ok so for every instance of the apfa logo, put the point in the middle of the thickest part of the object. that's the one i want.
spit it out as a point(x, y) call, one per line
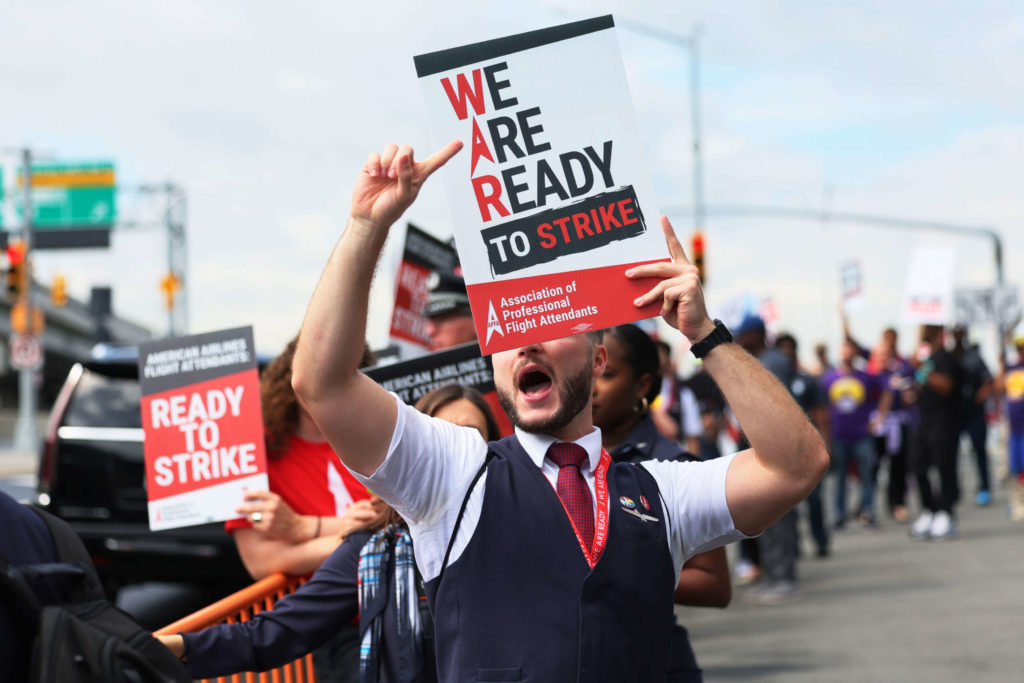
point(493, 324)
point(582, 327)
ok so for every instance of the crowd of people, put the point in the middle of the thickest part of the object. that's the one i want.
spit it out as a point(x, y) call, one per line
point(559, 552)
point(886, 418)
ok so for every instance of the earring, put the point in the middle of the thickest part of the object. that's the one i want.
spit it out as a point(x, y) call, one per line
point(641, 406)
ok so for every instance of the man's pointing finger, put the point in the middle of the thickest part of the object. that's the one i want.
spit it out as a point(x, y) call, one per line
point(440, 157)
point(675, 248)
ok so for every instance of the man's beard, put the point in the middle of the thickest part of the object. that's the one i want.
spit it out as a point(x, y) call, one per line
point(572, 398)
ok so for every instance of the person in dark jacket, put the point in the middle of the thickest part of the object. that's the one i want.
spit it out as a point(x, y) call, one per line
point(25, 540)
point(330, 600)
point(622, 397)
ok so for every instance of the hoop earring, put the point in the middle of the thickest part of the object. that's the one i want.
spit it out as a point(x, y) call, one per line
point(641, 406)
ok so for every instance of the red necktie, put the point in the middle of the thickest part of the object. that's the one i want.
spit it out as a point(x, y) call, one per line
point(572, 489)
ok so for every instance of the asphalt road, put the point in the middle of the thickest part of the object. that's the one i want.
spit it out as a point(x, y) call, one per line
point(884, 608)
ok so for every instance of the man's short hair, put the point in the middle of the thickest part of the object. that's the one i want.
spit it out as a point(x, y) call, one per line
point(786, 338)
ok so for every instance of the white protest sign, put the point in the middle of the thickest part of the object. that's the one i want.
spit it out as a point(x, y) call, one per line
point(988, 305)
point(928, 293)
point(550, 198)
point(851, 284)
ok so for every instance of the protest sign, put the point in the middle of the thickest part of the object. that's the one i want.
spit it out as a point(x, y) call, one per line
point(412, 379)
point(851, 284)
point(203, 424)
point(423, 254)
point(550, 200)
point(998, 305)
point(928, 294)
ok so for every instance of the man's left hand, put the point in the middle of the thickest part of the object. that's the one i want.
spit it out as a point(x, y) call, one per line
point(682, 297)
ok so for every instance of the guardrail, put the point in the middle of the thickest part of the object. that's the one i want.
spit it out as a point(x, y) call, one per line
point(241, 607)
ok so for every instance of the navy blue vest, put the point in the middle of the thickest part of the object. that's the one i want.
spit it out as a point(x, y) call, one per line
point(521, 602)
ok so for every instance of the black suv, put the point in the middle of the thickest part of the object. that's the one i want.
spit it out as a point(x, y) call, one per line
point(92, 474)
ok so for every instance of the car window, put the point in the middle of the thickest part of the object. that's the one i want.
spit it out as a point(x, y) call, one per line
point(100, 401)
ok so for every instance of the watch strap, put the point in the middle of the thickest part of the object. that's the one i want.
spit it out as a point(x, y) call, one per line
point(719, 335)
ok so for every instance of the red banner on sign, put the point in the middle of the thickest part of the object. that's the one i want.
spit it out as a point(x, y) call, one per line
point(201, 434)
point(534, 309)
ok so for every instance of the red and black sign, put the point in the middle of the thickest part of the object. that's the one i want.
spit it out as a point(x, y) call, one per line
point(413, 379)
point(203, 425)
point(422, 255)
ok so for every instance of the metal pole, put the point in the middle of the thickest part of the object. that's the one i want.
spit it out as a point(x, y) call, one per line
point(174, 219)
point(898, 223)
point(183, 260)
point(695, 119)
point(26, 437)
point(172, 328)
point(689, 42)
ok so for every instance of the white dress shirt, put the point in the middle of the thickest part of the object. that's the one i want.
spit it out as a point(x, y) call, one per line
point(430, 464)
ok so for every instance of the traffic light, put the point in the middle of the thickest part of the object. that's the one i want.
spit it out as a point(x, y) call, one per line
point(697, 253)
point(17, 274)
point(169, 285)
point(59, 291)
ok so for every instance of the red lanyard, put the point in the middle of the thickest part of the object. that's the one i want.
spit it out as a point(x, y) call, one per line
point(601, 527)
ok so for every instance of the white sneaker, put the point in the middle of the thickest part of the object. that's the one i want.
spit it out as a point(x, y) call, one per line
point(943, 527)
point(921, 528)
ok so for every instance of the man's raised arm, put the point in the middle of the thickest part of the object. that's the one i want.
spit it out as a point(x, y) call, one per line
point(357, 416)
point(787, 457)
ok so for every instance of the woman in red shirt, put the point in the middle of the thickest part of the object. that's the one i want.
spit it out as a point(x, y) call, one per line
point(313, 500)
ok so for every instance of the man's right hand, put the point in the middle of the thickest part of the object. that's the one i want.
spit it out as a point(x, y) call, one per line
point(390, 181)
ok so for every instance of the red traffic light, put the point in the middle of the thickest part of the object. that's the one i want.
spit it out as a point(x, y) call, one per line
point(16, 252)
point(698, 243)
point(697, 253)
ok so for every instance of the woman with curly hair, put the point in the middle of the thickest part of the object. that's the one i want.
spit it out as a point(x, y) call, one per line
point(313, 504)
point(313, 500)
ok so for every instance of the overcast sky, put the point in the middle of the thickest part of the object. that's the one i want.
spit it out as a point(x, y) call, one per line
point(264, 112)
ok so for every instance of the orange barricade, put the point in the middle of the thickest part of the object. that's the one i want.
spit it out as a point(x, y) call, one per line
point(240, 607)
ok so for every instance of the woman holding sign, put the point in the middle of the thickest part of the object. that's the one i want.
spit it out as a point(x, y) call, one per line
point(622, 397)
point(313, 499)
point(313, 503)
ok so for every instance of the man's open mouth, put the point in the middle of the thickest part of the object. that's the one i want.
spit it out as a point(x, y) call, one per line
point(533, 381)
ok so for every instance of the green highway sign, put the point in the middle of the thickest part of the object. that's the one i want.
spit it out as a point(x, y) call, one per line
point(72, 195)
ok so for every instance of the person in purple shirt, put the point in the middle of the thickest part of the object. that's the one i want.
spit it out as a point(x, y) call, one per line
point(892, 436)
point(1011, 381)
point(892, 433)
point(852, 397)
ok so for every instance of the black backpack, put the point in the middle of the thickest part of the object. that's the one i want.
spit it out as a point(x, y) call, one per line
point(86, 639)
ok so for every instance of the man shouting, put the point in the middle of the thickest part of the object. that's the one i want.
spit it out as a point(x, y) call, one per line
point(544, 561)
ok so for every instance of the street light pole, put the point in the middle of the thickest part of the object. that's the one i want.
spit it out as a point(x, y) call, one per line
point(25, 432)
point(691, 43)
point(826, 214)
point(176, 254)
point(984, 232)
point(695, 118)
point(175, 282)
